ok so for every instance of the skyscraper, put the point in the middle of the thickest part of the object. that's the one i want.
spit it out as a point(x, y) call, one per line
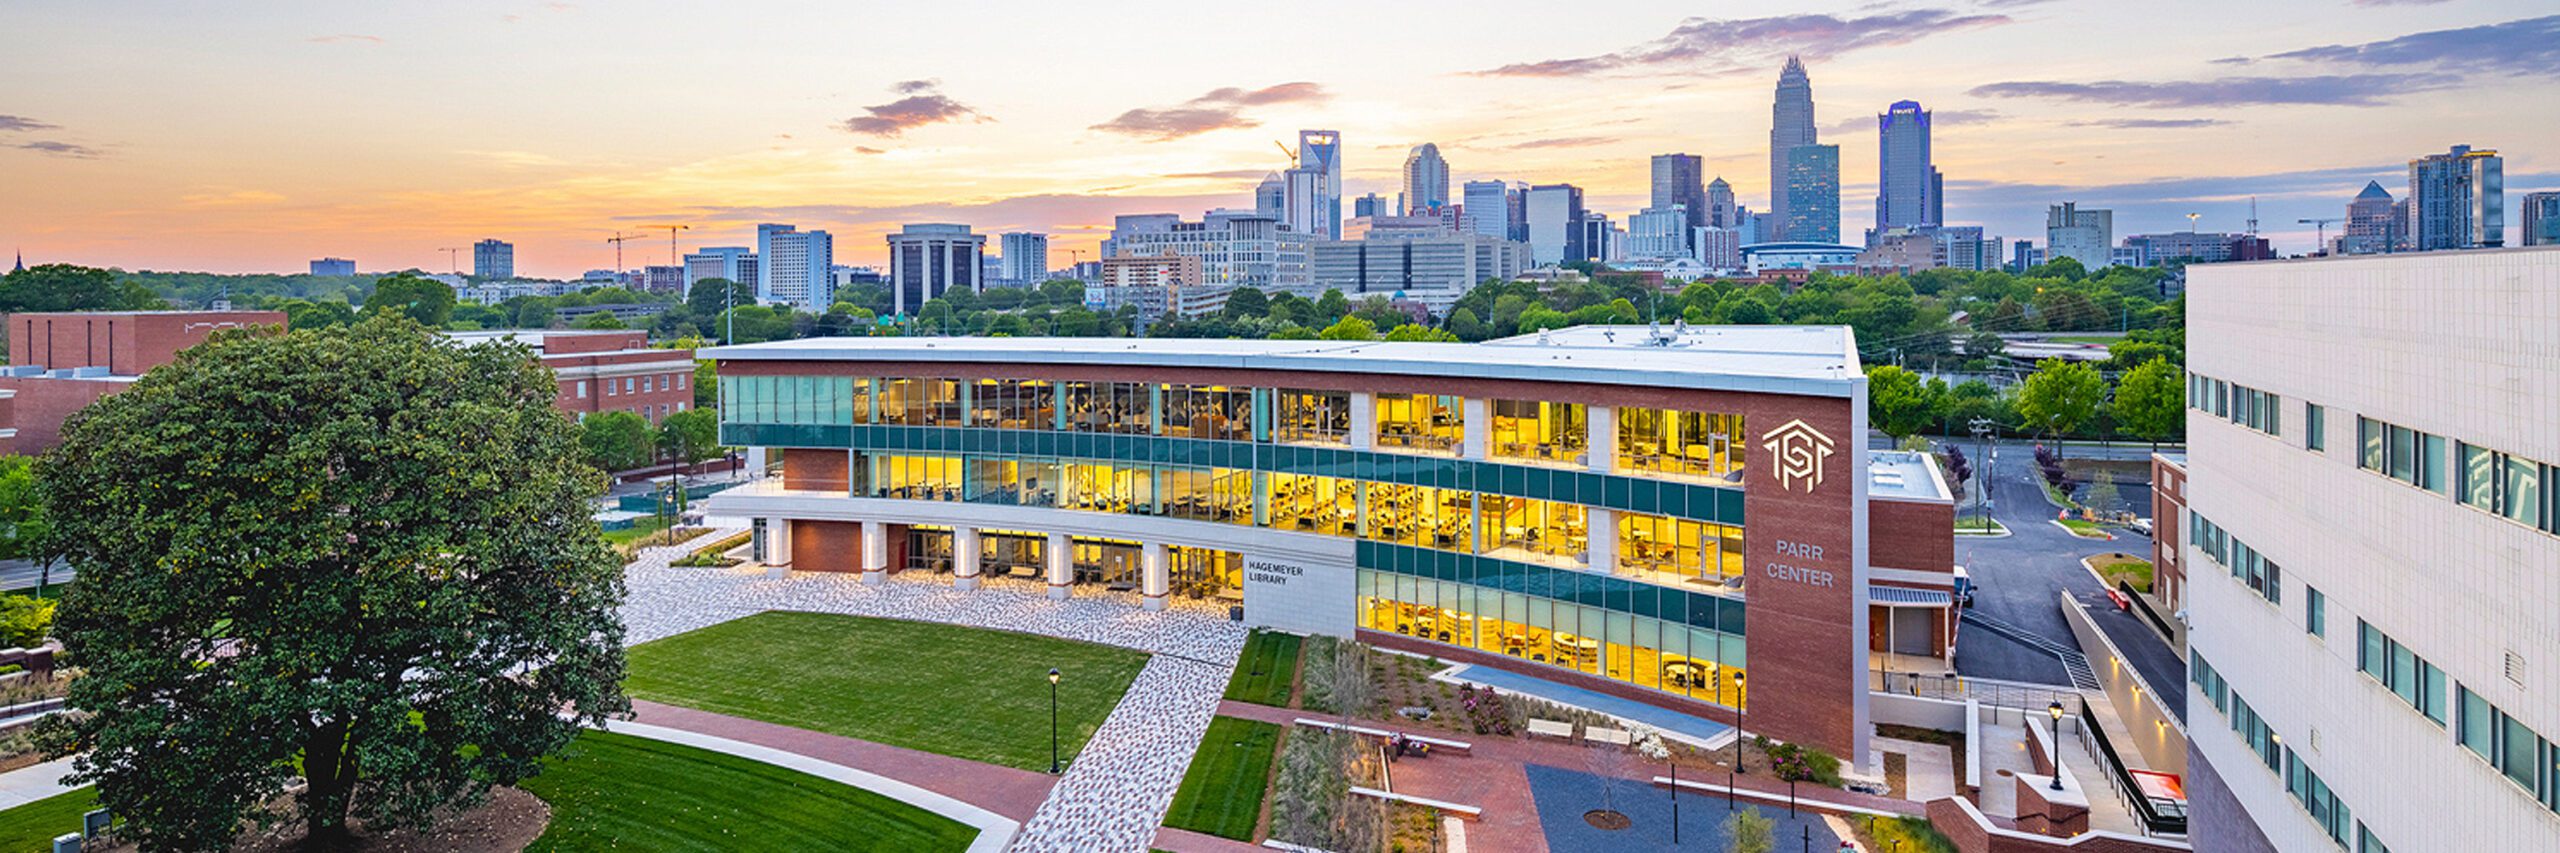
point(2081, 235)
point(1372, 205)
point(2457, 200)
point(1812, 194)
point(1314, 188)
point(1488, 212)
point(2541, 219)
point(2373, 223)
point(1721, 211)
point(1906, 176)
point(1678, 181)
point(493, 259)
point(1426, 179)
point(928, 260)
point(1026, 257)
point(765, 232)
point(1661, 233)
point(734, 263)
point(1790, 125)
point(1555, 227)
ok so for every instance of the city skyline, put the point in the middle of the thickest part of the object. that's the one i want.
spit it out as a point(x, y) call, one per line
point(422, 131)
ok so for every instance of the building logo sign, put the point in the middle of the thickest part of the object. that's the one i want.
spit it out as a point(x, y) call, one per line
point(1800, 451)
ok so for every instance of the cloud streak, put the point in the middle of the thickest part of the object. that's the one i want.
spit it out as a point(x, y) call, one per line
point(1220, 109)
point(1561, 142)
point(343, 38)
point(18, 124)
point(2529, 47)
point(2150, 123)
point(2361, 90)
point(1854, 124)
point(61, 149)
point(924, 104)
point(1741, 45)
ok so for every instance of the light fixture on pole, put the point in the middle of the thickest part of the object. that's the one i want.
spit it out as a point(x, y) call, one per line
point(1053, 720)
point(2056, 709)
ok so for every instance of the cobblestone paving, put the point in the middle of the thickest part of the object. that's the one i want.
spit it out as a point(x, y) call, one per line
point(1115, 795)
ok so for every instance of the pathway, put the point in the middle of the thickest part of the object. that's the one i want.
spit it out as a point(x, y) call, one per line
point(994, 831)
point(35, 782)
point(1114, 797)
point(1011, 792)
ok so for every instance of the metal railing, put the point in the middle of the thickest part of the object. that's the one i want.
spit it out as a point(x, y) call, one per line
point(1996, 693)
point(2155, 819)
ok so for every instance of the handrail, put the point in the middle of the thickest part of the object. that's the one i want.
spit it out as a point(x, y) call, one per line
point(2094, 739)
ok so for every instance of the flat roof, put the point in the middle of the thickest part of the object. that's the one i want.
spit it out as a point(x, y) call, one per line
point(1905, 475)
point(1805, 360)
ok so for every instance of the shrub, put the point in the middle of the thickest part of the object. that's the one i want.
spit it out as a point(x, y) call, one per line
point(24, 620)
point(1799, 763)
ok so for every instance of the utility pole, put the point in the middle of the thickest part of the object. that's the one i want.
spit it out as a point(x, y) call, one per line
point(1981, 428)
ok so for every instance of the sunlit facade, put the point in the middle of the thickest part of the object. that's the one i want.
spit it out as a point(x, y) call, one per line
point(1575, 507)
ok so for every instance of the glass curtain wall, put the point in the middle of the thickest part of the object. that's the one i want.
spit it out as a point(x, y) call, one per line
point(1652, 653)
point(1537, 431)
point(1534, 530)
point(1208, 411)
point(1014, 404)
point(1124, 408)
point(1434, 423)
point(1307, 503)
point(1313, 417)
point(1669, 550)
point(1699, 445)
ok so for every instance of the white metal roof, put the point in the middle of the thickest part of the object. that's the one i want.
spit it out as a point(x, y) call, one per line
point(1809, 360)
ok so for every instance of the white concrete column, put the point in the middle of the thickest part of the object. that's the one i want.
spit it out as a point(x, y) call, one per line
point(854, 472)
point(1062, 565)
point(1155, 575)
point(755, 461)
point(964, 557)
point(777, 547)
point(875, 553)
point(1603, 441)
point(1600, 530)
point(1477, 414)
point(1364, 420)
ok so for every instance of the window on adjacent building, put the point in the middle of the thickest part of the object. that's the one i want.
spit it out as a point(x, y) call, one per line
point(2315, 425)
point(582, 389)
point(2315, 611)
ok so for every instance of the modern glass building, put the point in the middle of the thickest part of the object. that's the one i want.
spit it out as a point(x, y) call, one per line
point(1680, 516)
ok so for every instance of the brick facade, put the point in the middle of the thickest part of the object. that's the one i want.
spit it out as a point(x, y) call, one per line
point(2168, 530)
point(826, 546)
point(126, 343)
point(616, 371)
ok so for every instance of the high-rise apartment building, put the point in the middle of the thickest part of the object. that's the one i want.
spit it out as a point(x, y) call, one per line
point(1679, 180)
point(2369, 467)
point(735, 263)
point(493, 259)
point(1236, 248)
point(333, 266)
point(1426, 179)
point(796, 267)
point(2541, 219)
point(1555, 224)
point(1791, 125)
point(1488, 211)
point(2086, 236)
point(1373, 205)
point(1907, 179)
point(1026, 257)
point(1661, 233)
point(1271, 197)
point(2457, 200)
point(930, 259)
point(1813, 195)
point(2373, 223)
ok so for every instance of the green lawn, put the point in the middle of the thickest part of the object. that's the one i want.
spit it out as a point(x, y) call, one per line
point(651, 526)
point(1266, 669)
point(964, 692)
point(613, 791)
point(1979, 524)
point(1907, 834)
point(2085, 529)
point(2130, 569)
point(1222, 793)
point(33, 826)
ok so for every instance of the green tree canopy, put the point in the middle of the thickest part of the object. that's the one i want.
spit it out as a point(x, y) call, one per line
point(425, 300)
point(691, 435)
point(2061, 396)
point(64, 287)
point(1419, 332)
point(1898, 402)
point(708, 299)
point(597, 320)
point(1349, 328)
point(22, 519)
point(617, 441)
point(359, 555)
point(2151, 400)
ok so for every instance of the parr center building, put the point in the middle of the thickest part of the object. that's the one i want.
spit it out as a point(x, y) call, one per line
point(1687, 517)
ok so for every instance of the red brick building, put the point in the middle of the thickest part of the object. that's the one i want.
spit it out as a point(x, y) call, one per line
point(59, 363)
point(608, 371)
point(2168, 531)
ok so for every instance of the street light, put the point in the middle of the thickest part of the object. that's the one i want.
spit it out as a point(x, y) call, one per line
point(1053, 721)
point(1741, 714)
point(2056, 710)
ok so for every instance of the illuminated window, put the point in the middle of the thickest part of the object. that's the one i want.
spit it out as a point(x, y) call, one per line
point(1313, 417)
point(1429, 422)
point(1538, 431)
point(1671, 441)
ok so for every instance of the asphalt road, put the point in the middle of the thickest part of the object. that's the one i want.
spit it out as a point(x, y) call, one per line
point(2018, 579)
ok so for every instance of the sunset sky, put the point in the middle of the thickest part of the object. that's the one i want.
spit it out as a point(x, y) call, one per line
point(254, 137)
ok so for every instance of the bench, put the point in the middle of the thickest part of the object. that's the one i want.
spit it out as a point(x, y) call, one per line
point(1445, 744)
point(1551, 728)
point(1611, 737)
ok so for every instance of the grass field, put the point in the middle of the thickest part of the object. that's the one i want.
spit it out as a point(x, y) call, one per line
point(1222, 793)
point(964, 692)
point(1979, 524)
point(2085, 529)
point(1907, 834)
point(1266, 669)
point(621, 792)
point(33, 826)
point(2132, 570)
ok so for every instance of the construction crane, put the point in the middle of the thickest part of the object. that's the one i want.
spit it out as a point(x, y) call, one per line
point(1285, 149)
point(453, 259)
point(617, 240)
point(673, 257)
point(2321, 226)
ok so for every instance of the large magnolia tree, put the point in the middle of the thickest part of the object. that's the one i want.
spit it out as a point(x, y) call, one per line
point(359, 556)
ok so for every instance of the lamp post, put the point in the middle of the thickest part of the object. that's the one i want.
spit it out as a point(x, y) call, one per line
point(1053, 721)
point(1741, 714)
point(2055, 708)
point(1675, 800)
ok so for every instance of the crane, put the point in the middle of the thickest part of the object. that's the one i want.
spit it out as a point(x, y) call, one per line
point(2321, 226)
point(1285, 149)
point(617, 240)
point(672, 256)
point(453, 259)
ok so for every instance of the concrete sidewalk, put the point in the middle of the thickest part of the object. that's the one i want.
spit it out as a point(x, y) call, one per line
point(29, 784)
